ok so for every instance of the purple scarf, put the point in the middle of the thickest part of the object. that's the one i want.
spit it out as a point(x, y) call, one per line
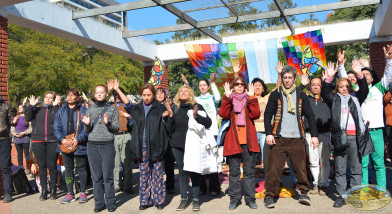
point(239, 102)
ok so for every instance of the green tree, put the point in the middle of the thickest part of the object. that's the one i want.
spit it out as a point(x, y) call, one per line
point(175, 69)
point(40, 62)
point(311, 20)
point(286, 4)
point(354, 13)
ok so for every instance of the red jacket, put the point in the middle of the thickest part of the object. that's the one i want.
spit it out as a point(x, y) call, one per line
point(252, 112)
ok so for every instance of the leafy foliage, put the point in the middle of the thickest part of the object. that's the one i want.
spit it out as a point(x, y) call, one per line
point(40, 62)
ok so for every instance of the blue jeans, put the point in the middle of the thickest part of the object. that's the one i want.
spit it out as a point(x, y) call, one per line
point(101, 160)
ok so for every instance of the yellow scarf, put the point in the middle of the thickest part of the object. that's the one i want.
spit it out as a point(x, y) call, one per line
point(288, 92)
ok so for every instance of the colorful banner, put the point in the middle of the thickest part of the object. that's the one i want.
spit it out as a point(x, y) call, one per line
point(159, 75)
point(217, 58)
point(257, 59)
point(305, 52)
point(262, 58)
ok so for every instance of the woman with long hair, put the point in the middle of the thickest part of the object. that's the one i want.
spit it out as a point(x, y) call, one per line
point(148, 146)
point(44, 143)
point(177, 125)
point(21, 135)
point(68, 122)
point(240, 145)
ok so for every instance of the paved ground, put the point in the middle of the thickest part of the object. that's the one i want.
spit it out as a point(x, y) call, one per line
point(129, 204)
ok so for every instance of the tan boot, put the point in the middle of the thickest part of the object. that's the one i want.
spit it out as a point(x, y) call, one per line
point(315, 190)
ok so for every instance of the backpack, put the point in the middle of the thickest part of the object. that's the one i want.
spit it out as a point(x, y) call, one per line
point(20, 182)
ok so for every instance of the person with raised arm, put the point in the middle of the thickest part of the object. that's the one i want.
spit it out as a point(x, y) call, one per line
point(348, 133)
point(101, 123)
point(240, 106)
point(44, 143)
point(286, 136)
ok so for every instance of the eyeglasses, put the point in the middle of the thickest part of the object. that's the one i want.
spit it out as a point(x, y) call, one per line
point(239, 83)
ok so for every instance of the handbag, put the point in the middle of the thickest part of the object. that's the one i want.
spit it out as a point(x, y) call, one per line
point(341, 142)
point(71, 149)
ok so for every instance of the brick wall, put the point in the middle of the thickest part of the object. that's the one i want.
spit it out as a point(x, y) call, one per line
point(377, 57)
point(3, 67)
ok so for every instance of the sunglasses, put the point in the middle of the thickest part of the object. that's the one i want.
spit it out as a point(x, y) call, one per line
point(238, 84)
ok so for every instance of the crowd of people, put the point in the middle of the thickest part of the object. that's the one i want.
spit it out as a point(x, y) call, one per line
point(341, 113)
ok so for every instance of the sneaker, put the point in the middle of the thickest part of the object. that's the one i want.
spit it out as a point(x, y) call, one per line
point(82, 198)
point(315, 190)
point(68, 198)
point(269, 201)
point(195, 204)
point(304, 199)
point(183, 204)
point(7, 198)
point(323, 191)
point(234, 204)
point(339, 202)
point(252, 205)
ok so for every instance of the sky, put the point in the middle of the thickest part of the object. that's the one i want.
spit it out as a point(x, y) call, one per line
point(159, 17)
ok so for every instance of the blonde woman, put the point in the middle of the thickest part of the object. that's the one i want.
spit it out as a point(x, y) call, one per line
point(177, 125)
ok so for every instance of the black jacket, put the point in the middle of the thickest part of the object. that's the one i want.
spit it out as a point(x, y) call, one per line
point(334, 101)
point(272, 108)
point(42, 120)
point(178, 125)
point(7, 115)
point(156, 137)
point(322, 114)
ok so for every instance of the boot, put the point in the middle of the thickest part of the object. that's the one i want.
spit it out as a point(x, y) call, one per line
point(44, 195)
point(53, 193)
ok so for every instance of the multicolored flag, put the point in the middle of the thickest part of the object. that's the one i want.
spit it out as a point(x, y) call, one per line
point(305, 52)
point(217, 58)
point(257, 59)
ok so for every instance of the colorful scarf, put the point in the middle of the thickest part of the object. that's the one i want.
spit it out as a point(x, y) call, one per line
point(239, 102)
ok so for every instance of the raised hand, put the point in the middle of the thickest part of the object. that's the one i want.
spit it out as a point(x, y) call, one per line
point(364, 62)
point(24, 101)
point(228, 91)
point(33, 100)
point(56, 101)
point(195, 111)
point(324, 75)
point(184, 79)
point(236, 66)
point(212, 78)
point(305, 79)
point(15, 120)
point(251, 91)
point(279, 67)
point(84, 97)
point(356, 66)
point(330, 70)
point(116, 84)
point(86, 119)
point(110, 85)
point(340, 57)
point(168, 111)
point(388, 52)
point(106, 118)
point(125, 114)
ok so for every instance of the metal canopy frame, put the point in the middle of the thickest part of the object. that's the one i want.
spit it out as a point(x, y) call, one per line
point(202, 26)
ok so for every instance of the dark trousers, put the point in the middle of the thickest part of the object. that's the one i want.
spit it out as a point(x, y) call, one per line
point(195, 177)
point(169, 169)
point(341, 157)
point(5, 162)
point(20, 149)
point(81, 164)
point(46, 155)
point(389, 133)
point(101, 160)
point(213, 184)
point(235, 175)
point(294, 148)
